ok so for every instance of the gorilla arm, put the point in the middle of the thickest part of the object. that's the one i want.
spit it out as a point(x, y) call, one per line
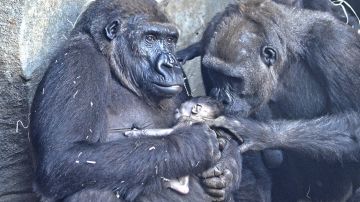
point(224, 178)
point(221, 180)
point(330, 138)
point(68, 118)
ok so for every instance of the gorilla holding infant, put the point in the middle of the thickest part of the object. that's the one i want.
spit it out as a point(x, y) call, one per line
point(118, 72)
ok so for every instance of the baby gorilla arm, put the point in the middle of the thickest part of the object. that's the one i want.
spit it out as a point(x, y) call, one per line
point(149, 132)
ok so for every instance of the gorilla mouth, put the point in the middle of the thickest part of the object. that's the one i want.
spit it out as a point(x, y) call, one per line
point(168, 89)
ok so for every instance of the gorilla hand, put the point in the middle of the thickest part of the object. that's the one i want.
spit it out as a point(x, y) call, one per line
point(200, 138)
point(189, 53)
point(254, 135)
point(224, 178)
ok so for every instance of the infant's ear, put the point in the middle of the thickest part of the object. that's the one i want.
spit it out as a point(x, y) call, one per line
point(196, 109)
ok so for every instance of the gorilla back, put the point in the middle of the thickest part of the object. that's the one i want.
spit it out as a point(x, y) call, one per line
point(116, 72)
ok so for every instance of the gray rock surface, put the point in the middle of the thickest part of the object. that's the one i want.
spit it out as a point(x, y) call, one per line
point(30, 32)
point(15, 164)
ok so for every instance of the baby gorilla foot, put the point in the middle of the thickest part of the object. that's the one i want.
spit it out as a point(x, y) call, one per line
point(180, 185)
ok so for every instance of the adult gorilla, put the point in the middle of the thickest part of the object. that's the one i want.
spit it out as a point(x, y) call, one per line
point(302, 68)
point(117, 72)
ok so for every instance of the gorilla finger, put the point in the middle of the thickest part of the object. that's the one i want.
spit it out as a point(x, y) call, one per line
point(212, 172)
point(218, 122)
point(227, 176)
point(218, 199)
point(222, 143)
point(219, 193)
point(245, 147)
point(132, 133)
point(217, 155)
point(216, 152)
point(215, 183)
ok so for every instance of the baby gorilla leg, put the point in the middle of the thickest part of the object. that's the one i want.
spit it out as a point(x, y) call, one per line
point(149, 132)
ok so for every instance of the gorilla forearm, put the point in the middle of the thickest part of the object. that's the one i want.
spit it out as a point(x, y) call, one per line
point(126, 160)
point(330, 137)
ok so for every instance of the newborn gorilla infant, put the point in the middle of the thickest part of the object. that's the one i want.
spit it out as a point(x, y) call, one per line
point(196, 110)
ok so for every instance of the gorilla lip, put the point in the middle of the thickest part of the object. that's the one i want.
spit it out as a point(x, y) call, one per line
point(169, 89)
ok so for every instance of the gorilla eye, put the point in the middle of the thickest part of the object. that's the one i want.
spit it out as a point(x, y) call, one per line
point(150, 38)
point(171, 40)
point(268, 55)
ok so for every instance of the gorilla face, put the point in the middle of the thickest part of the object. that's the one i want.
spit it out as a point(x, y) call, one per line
point(146, 57)
point(241, 63)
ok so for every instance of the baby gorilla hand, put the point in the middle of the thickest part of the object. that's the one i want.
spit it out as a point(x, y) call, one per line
point(221, 180)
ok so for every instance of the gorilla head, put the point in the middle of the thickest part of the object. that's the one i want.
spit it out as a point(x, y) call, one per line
point(247, 49)
point(241, 65)
point(140, 42)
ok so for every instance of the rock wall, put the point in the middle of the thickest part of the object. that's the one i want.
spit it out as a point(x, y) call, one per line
point(30, 33)
point(15, 164)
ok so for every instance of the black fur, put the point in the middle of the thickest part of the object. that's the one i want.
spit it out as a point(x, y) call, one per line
point(327, 6)
point(256, 180)
point(312, 92)
point(101, 83)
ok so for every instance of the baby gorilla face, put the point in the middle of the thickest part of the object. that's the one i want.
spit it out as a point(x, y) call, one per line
point(199, 109)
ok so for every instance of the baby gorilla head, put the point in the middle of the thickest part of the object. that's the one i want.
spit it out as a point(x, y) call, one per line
point(199, 109)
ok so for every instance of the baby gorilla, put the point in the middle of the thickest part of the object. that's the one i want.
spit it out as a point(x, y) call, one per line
point(196, 110)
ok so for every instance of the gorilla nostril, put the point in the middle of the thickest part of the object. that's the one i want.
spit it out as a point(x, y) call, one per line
point(167, 65)
point(214, 92)
point(171, 60)
point(163, 64)
point(221, 96)
point(225, 98)
point(225, 101)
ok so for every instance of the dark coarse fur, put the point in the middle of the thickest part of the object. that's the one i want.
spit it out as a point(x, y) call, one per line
point(102, 82)
point(256, 181)
point(312, 91)
point(355, 197)
point(326, 6)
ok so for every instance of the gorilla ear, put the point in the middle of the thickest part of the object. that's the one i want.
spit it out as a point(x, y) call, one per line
point(196, 109)
point(112, 29)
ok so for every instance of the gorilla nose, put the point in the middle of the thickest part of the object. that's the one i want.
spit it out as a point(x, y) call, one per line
point(221, 95)
point(165, 63)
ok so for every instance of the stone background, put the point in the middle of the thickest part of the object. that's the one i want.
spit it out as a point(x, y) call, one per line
point(30, 33)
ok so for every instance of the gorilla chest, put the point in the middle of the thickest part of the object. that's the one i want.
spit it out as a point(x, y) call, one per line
point(129, 114)
point(299, 95)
